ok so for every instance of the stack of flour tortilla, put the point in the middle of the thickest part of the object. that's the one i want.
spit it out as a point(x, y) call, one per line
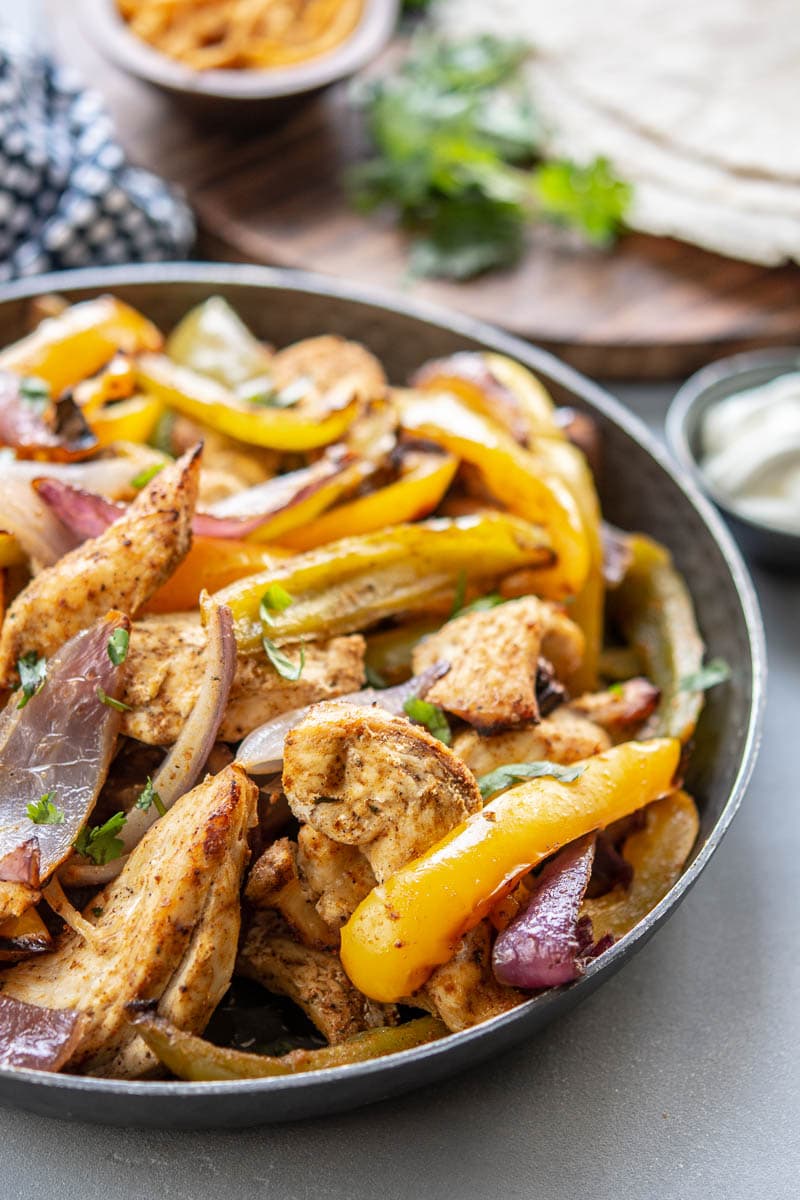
point(696, 105)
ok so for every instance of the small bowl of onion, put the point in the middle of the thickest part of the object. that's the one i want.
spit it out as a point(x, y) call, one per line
point(236, 57)
point(735, 428)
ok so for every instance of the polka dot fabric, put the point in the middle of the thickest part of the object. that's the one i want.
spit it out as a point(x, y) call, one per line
point(68, 196)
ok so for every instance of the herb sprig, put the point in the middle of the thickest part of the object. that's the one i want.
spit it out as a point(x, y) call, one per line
point(44, 812)
point(423, 712)
point(507, 776)
point(100, 843)
point(32, 670)
point(455, 138)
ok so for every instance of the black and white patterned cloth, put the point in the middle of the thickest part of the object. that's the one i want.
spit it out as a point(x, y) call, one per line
point(68, 196)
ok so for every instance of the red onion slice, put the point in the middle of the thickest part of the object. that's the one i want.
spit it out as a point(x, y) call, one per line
point(261, 752)
point(36, 527)
point(541, 947)
point(86, 514)
point(34, 1038)
point(60, 742)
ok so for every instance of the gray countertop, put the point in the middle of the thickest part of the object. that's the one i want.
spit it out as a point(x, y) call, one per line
point(678, 1079)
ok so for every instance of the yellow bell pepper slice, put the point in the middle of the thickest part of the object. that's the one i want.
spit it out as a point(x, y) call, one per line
point(203, 399)
point(409, 925)
point(657, 854)
point(302, 513)
point(130, 420)
point(211, 564)
point(587, 609)
point(115, 382)
point(519, 480)
point(11, 553)
point(65, 349)
point(496, 386)
point(424, 479)
point(351, 584)
point(654, 610)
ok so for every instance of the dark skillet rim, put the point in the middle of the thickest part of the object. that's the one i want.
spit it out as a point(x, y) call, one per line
point(106, 279)
point(110, 33)
point(691, 394)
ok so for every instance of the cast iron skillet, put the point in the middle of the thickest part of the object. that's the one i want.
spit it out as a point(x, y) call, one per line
point(640, 490)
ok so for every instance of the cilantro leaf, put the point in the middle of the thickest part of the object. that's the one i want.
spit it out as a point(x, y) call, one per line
point(32, 674)
point(480, 604)
point(507, 776)
point(275, 599)
point(100, 842)
point(714, 672)
point(588, 197)
point(149, 796)
point(44, 812)
point(34, 391)
point(283, 665)
point(429, 715)
point(118, 646)
point(454, 138)
point(143, 477)
point(104, 698)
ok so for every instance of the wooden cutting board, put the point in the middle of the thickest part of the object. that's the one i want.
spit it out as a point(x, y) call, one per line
point(271, 192)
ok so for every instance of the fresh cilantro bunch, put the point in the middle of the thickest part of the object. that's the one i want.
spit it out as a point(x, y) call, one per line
point(455, 136)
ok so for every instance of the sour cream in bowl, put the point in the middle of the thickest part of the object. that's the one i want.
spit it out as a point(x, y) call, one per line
point(735, 426)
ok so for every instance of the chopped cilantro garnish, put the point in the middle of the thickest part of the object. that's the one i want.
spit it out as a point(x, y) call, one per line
point(429, 715)
point(283, 665)
point(149, 796)
point(32, 674)
point(100, 842)
point(34, 390)
point(275, 599)
point(143, 477)
point(505, 777)
point(118, 646)
point(714, 672)
point(44, 812)
point(119, 705)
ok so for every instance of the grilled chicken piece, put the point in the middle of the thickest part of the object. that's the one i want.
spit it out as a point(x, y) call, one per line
point(463, 991)
point(563, 737)
point(314, 979)
point(493, 658)
point(275, 883)
point(329, 362)
point(622, 710)
point(165, 930)
point(121, 569)
point(368, 779)
point(165, 670)
point(338, 876)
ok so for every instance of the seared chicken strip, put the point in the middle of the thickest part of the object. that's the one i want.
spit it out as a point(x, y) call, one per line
point(371, 780)
point(121, 568)
point(338, 876)
point(463, 991)
point(563, 737)
point(165, 930)
point(166, 664)
point(314, 979)
point(622, 710)
point(329, 362)
point(493, 658)
point(275, 883)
